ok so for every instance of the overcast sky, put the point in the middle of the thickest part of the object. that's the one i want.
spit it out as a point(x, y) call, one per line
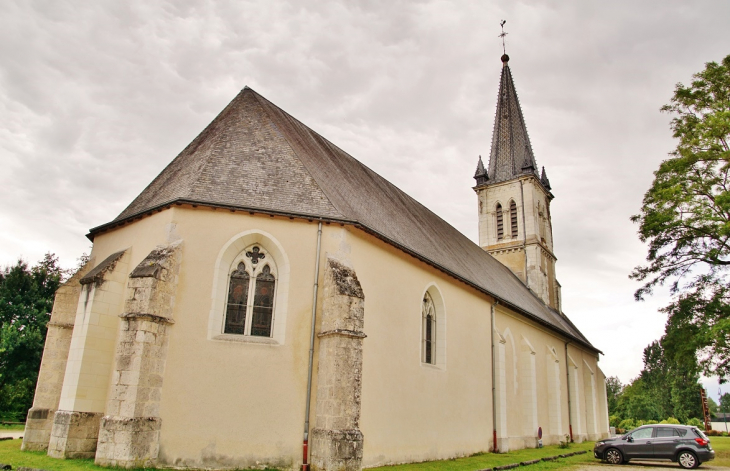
point(97, 97)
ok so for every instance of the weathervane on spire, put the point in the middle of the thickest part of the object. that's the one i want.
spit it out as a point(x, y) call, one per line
point(504, 50)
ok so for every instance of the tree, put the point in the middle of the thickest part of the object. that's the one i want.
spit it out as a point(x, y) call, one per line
point(613, 391)
point(685, 217)
point(26, 300)
point(724, 403)
point(712, 406)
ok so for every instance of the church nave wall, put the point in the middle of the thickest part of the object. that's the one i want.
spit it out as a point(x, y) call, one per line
point(413, 411)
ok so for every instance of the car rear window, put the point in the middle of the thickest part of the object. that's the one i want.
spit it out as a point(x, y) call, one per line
point(680, 432)
point(699, 433)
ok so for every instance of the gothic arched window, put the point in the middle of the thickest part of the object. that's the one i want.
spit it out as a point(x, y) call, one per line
point(428, 313)
point(500, 223)
point(513, 218)
point(245, 314)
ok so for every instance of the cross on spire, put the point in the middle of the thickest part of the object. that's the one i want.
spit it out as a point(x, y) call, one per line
point(504, 50)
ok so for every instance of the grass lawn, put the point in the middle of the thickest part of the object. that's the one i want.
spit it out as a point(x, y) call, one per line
point(10, 454)
point(489, 460)
point(721, 445)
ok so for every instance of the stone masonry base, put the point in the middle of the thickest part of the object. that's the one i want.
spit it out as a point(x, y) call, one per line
point(74, 434)
point(38, 427)
point(127, 442)
point(337, 450)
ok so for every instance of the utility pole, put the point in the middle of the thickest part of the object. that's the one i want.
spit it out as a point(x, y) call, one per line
point(724, 413)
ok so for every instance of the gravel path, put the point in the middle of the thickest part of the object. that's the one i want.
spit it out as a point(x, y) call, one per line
point(645, 466)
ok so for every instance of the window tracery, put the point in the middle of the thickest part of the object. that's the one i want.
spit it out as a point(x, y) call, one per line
point(245, 314)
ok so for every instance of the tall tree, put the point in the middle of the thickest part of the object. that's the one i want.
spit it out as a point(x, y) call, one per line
point(613, 391)
point(26, 300)
point(685, 217)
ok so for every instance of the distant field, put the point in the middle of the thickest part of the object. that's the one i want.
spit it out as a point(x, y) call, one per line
point(11, 428)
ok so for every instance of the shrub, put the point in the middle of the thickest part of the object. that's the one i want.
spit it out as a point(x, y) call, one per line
point(713, 433)
point(670, 420)
point(694, 421)
point(627, 424)
point(614, 420)
point(565, 443)
point(650, 422)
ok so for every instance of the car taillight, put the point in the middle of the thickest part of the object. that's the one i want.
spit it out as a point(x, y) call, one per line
point(702, 441)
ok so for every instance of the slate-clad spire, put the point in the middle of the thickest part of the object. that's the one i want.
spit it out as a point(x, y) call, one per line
point(544, 180)
point(481, 175)
point(511, 153)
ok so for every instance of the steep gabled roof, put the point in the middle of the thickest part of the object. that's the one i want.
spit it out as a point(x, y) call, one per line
point(256, 156)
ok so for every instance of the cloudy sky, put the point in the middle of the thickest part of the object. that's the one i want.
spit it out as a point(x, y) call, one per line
point(97, 97)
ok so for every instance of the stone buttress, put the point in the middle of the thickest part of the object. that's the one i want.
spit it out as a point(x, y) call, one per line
point(53, 365)
point(336, 439)
point(130, 432)
point(86, 379)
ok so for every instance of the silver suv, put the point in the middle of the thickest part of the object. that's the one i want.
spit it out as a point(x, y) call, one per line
point(683, 444)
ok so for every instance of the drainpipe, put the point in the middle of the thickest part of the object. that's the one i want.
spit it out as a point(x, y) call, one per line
point(524, 232)
point(567, 375)
point(494, 389)
point(305, 447)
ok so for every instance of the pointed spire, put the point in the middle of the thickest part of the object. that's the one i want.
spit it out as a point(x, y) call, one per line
point(511, 153)
point(481, 175)
point(544, 180)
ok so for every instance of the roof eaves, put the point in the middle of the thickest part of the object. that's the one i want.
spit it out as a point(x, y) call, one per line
point(99, 229)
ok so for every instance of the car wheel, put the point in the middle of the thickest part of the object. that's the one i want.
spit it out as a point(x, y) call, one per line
point(613, 456)
point(688, 460)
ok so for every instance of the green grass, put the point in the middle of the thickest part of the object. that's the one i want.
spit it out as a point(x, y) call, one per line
point(489, 460)
point(10, 454)
point(721, 445)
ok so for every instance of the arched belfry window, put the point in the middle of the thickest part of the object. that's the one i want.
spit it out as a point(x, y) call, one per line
point(500, 222)
point(513, 218)
point(251, 289)
point(428, 312)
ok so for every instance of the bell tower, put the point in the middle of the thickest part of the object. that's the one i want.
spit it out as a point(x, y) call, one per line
point(514, 200)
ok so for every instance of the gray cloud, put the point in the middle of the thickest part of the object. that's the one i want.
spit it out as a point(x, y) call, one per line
point(97, 97)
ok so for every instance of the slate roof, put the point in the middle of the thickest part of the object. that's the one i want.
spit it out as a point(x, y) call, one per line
point(255, 156)
point(511, 154)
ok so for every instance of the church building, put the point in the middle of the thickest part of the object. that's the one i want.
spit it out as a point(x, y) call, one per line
point(268, 300)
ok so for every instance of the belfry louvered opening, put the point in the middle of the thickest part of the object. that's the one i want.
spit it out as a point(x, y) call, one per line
point(500, 222)
point(513, 218)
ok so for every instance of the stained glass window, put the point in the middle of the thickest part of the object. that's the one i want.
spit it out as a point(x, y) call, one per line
point(263, 303)
point(237, 301)
point(251, 315)
point(429, 330)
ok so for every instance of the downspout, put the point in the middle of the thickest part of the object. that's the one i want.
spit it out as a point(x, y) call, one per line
point(305, 448)
point(494, 389)
point(524, 232)
point(567, 375)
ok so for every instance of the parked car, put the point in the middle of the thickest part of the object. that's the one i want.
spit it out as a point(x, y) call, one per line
point(684, 444)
